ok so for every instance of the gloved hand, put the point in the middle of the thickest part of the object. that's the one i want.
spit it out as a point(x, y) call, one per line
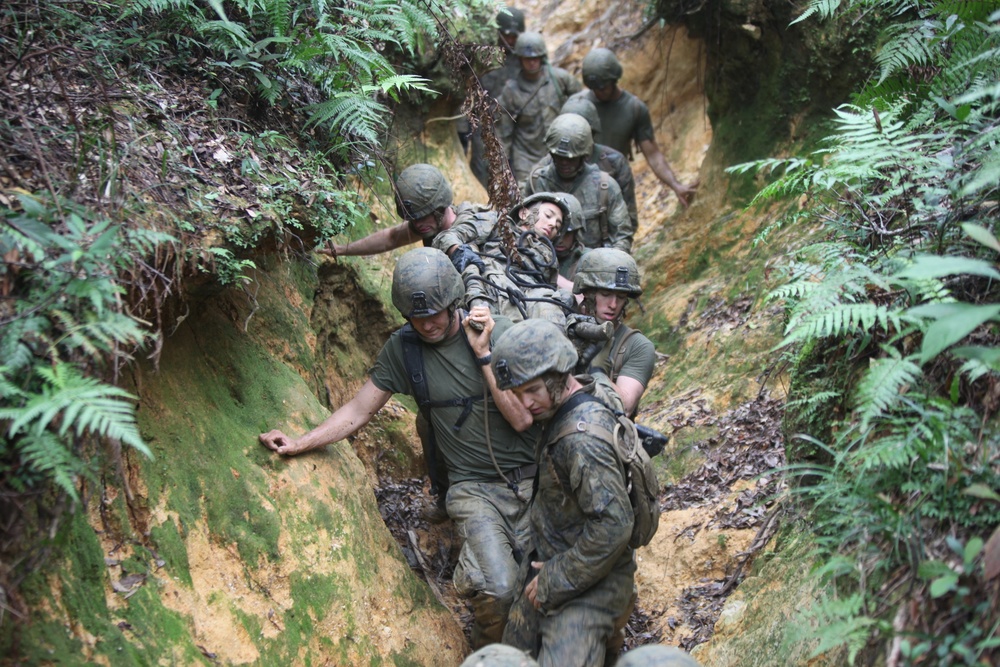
point(464, 256)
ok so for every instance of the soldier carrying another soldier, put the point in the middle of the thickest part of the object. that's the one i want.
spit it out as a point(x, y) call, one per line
point(478, 428)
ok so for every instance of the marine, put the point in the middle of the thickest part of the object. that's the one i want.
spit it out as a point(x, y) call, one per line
point(607, 159)
point(606, 220)
point(625, 118)
point(606, 279)
point(424, 202)
point(481, 432)
point(521, 288)
point(577, 578)
point(529, 102)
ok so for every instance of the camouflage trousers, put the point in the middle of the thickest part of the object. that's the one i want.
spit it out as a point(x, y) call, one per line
point(582, 631)
point(493, 526)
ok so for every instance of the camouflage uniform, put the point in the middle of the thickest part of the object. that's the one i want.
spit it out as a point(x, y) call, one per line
point(492, 285)
point(581, 522)
point(623, 121)
point(528, 108)
point(614, 164)
point(490, 518)
point(606, 218)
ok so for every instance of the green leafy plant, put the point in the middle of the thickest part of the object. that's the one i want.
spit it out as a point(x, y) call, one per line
point(904, 289)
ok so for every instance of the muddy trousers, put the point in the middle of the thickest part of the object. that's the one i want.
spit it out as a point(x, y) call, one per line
point(578, 633)
point(493, 526)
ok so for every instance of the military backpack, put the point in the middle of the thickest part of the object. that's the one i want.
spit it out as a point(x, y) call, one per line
point(640, 476)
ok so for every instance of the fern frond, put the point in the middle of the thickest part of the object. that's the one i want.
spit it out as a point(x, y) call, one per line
point(84, 404)
point(879, 388)
point(48, 457)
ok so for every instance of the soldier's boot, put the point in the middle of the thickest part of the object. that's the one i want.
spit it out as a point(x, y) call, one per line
point(613, 647)
point(490, 614)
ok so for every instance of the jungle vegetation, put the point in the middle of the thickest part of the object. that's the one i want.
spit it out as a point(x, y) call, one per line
point(892, 337)
point(892, 318)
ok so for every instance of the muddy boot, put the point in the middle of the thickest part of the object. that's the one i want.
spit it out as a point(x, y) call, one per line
point(490, 617)
point(613, 647)
point(435, 512)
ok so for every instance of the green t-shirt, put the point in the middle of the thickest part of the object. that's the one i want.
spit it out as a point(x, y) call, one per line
point(639, 356)
point(623, 121)
point(452, 372)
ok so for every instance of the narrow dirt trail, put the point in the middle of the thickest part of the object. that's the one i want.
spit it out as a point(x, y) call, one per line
point(717, 513)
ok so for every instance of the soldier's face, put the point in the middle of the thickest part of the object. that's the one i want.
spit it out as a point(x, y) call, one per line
point(531, 66)
point(609, 305)
point(509, 38)
point(565, 242)
point(605, 93)
point(567, 167)
point(435, 328)
point(535, 398)
point(548, 220)
point(427, 226)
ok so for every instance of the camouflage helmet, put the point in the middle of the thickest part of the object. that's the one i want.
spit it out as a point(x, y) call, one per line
point(607, 269)
point(499, 655)
point(510, 21)
point(581, 106)
point(528, 350)
point(573, 221)
point(600, 67)
point(530, 45)
point(557, 198)
point(425, 282)
point(570, 135)
point(657, 655)
point(421, 189)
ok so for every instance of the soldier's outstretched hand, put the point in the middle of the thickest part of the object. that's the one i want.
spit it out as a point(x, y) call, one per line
point(277, 441)
point(685, 193)
point(531, 590)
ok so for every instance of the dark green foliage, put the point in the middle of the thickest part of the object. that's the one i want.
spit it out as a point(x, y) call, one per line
point(895, 413)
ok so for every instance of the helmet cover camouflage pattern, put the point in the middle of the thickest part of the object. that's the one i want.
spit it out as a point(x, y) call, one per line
point(425, 282)
point(499, 655)
point(530, 349)
point(581, 106)
point(557, 198)
point(570, 135)
point(530, 45)
point(574, 220)
point(510, 21)
point(600, 67)
point(607, 269)
point(657, 655)
point(421, 189)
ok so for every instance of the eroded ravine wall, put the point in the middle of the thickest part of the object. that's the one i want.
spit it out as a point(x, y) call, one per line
point(220, 551)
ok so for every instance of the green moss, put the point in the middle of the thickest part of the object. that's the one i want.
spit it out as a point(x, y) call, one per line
point(83, 591)
point(170, 547)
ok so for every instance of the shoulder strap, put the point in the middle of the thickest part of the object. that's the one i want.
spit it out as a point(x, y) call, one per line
point(413, 361)
point(602, 211)
point(617, 354)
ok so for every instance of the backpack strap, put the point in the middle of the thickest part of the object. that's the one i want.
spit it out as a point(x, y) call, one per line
point(413, 361)
point(602, 211)
point(617, 353)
